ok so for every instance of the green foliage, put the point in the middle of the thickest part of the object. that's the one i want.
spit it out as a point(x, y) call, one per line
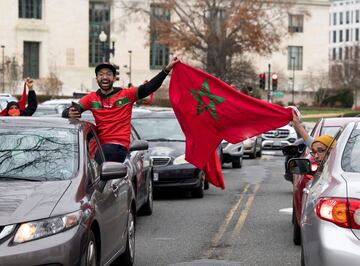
point(341, 98)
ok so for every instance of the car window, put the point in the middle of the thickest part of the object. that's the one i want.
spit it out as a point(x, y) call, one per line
point(95, 155)
point(330, 130)
point(158, 128)
point(351, 159)
point(39, 154)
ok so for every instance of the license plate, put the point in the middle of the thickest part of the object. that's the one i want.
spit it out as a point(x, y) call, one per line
point(277, 144)
point(156, 176)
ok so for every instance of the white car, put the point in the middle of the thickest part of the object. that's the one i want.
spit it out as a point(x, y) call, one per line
point(278, 138)
point(232, 153)
point(253, 147)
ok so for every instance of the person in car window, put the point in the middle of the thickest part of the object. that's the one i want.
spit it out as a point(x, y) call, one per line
point(318, 145)
point(112, 108)
point(13, 107)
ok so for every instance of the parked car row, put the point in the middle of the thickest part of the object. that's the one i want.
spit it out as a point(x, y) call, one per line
point(325, 197)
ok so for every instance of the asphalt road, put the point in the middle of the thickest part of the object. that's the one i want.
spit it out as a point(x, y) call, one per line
point(248, 223)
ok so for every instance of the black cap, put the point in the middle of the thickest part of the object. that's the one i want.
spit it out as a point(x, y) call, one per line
point(11, 104)
point(105, 65)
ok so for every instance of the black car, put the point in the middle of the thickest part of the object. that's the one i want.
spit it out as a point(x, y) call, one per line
point(61, 202)
point(167, 149)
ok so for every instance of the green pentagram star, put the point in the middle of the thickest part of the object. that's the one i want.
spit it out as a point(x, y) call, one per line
point(201, 106)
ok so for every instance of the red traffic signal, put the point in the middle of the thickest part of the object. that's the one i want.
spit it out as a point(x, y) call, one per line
point(262, 81)
point(274, 78)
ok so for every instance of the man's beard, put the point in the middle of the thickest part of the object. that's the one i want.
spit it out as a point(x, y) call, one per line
point(107, 86)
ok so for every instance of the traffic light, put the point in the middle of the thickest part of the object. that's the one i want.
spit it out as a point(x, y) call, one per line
point(274, 78)
point(117, 72)
point(262, 81)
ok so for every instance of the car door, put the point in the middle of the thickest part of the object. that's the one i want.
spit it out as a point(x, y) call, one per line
point(137, 158)
point(112, 204)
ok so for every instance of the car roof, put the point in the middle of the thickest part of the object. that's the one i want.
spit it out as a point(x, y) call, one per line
point(153, 114)
point(27, 121)
point(338, 121)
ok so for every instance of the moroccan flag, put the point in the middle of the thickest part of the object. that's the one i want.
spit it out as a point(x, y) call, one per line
point(210, 110)
point(213, 171)
point(21, 102)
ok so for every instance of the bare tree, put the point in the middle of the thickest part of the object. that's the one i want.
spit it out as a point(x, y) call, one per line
point(12, 74)
point(50, 85)
point(215, 32)
point(346, 73)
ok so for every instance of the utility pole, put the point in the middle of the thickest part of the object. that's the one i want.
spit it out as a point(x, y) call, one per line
point(130, 84)
point(269, 86)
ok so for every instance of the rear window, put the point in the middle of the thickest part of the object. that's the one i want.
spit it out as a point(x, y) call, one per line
point(332, 131)
point(351, 158)
point(38, 154)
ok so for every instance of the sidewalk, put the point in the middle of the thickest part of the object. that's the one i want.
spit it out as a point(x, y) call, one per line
point(323, 115)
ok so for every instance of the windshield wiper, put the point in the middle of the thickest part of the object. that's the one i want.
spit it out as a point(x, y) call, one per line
point(3, 178)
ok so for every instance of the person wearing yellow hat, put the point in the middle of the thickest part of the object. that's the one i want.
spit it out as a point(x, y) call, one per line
point(319, 145)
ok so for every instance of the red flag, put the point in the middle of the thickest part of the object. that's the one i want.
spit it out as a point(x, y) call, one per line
point(210, 110)
point(213, 171)
point(21, 102)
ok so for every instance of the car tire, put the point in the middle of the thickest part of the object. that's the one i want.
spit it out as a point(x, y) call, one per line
point(90, 257)
point(296, 233)
point(259, 153)
point(206, 185)
point(147, 208)
point(198, 192)
point(237, 162)
point(127, 258)
point(252, 155)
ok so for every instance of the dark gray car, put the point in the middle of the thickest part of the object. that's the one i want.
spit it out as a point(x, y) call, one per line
point(60, 203)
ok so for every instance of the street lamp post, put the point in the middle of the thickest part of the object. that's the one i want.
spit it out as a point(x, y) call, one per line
point(130, 52)
point(106, 51)
point(293, 79)
point(3, 67)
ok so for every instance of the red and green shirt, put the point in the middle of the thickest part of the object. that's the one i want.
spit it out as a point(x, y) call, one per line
point(112, 114)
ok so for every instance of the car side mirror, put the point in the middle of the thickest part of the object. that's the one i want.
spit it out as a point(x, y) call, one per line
point(139, 145)
point(112, 170)
point(300, 166)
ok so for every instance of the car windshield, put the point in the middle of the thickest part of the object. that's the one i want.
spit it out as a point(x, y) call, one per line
point(158, 129)
point(38, 154)
point(330, 130)
point(351, 159)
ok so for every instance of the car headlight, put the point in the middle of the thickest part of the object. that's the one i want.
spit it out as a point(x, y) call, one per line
point(180, 160)
point(46, 227)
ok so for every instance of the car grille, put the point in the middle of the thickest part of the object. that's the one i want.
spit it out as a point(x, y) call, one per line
point(160, 161)
point(277, 133)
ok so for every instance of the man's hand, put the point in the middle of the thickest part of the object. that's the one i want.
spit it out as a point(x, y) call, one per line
point(29, 83)
point(172, 63)
point(74, 113)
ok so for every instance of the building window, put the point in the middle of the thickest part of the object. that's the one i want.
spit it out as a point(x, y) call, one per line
point(347, 17)
point(99, 20)
point(346, 53)
point(340, 53)
point(356, 53)
point(357, 16)
point(347, 35)
point(334, 54)
point(30, 9)
point(31, 60)
point(159, 53)
point(334, 36)
point(295, 57)
point(341, 18)
point(357, 34)
point(334, 18)
point(340, 35)
point(296, 23)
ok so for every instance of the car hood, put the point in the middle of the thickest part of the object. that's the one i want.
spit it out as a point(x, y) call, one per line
point(167, 148)
point(22, 201)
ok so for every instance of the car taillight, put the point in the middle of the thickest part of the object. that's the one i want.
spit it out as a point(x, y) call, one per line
point(340, 211)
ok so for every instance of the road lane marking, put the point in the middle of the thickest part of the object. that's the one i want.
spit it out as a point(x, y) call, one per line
point(286, 210)
point(245, 212)
point(223, 227)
